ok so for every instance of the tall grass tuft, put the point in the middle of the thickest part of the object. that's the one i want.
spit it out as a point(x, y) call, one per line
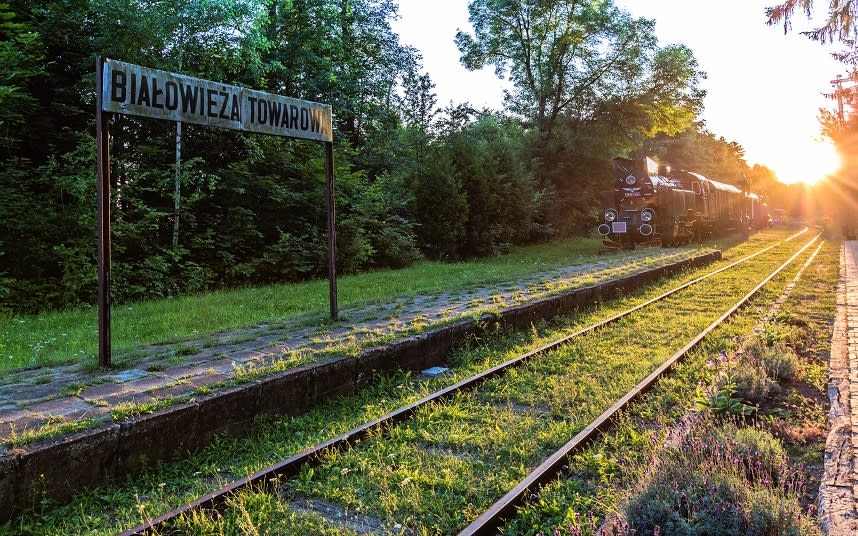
point(779, 360)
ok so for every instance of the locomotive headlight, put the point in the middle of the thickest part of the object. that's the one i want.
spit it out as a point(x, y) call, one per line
point(610, 215)
point(647, 215)
point(630, 180)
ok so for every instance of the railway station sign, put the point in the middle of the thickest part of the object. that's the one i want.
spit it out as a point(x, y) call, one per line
point(129, 89)
point(134, 90)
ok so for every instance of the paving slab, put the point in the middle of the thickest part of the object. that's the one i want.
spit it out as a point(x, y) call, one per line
point(838, 493)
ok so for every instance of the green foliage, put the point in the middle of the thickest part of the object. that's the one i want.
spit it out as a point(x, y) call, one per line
point(498, 189)
point(815, 374)
point(557, 507)
point(49, 243)
point(720, 399)
point(475, 196)
point(753, 384)
point(440, 207)
point(701, 151)
point(411, 180)
point(381, 215)
point(747, 377)
point(592, 81)
point(21, 63)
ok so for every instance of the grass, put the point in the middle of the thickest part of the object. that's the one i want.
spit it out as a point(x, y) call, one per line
point(126, 410)
point(104, 510)
point(53, 428)
point(614, 480)
point(434, 472)
point(70, 336)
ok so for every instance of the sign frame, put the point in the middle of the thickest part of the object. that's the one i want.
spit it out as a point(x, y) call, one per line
point(129, 89)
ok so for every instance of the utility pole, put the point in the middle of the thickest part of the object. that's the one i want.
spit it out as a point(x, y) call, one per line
point(843, 90)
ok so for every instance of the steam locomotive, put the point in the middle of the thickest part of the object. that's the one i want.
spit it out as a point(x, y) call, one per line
point(652, 206)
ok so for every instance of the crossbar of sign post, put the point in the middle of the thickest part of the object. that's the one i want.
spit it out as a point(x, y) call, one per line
point(135, 90)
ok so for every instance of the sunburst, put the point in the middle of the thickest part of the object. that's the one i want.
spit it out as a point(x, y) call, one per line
point(808, 163)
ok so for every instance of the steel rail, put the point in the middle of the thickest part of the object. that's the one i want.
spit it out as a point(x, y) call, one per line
point(489, 522)
point(291, 466)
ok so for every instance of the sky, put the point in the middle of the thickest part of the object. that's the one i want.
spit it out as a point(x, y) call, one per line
point(764, 88)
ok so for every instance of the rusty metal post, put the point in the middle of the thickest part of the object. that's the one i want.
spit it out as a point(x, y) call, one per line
point(102, 190)
point(332, 233)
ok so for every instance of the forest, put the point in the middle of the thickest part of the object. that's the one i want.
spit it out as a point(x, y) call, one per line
point(196, 208)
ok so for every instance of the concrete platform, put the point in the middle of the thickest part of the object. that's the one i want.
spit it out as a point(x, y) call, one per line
point(838, 494)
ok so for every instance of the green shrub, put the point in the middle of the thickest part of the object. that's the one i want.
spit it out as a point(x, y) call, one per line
point(719, 398)
point(680, 502)
point(774, 513)
point(757, 451)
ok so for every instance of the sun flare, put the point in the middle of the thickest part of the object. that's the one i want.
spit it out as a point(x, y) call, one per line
point(808, 163)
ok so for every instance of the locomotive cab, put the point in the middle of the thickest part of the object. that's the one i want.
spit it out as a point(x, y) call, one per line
point(648, 207)
point(632, 215)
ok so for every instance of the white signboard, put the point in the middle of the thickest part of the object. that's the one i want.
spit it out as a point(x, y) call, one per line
point(134, 90)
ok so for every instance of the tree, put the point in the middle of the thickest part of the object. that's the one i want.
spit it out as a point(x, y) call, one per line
point(698, 150)
point(490, 164)
point(341, 52)
point(838, 193)
point(21, 60)
point(418, 102)
point(556, 52)
point(440, 206)
point(841, 24)
point(44, 221)
point(593, 82)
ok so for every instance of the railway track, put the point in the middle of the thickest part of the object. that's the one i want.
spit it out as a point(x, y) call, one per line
point(273, 476)
point(550, 469)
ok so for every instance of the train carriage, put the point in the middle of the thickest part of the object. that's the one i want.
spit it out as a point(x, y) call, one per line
point(759, 212)
point(720, 205)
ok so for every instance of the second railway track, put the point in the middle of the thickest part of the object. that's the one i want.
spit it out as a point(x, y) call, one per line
point(499, 429)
